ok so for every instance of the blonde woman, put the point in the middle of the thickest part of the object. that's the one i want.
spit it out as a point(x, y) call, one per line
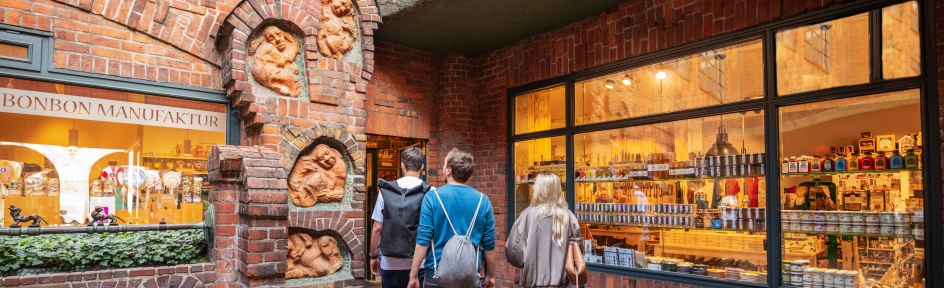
point(538, 240)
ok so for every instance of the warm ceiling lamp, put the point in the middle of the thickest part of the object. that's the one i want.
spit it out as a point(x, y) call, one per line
point(660, 75)
point(609, 84)
point(626, 80)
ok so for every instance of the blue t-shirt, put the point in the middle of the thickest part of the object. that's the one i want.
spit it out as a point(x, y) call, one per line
point(459, 201)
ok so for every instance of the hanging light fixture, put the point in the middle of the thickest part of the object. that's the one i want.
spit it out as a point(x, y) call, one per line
point(721, 147)
point(187, 144)
point(73, 147)
point(626, 80)
point(660, 75)
point(609, 84)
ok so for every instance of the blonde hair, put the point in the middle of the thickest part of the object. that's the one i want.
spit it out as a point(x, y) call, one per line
point(547, 201)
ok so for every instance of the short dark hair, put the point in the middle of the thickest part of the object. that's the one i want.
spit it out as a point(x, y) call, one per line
point(462, 164)
point(412, 159)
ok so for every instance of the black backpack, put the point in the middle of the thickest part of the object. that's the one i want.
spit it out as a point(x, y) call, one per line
point(401, 214)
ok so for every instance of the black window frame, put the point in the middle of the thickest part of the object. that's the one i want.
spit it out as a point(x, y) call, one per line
point(771, 103)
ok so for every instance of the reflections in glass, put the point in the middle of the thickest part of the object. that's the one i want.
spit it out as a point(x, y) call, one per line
point(853, 191)
point(824, 55)
point(725, 75)
point(684, 196)
point(540, 110)
point(14, 51)
point(901, 41)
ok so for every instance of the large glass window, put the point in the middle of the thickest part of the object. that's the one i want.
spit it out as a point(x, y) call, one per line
point(901, 41)
point(824, 55)
point(726, 75)
point(540, 110)
point(686, 196)
point(66, 150)
point(853, 191)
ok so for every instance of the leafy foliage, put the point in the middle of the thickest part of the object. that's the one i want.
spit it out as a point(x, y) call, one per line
point(75, 252)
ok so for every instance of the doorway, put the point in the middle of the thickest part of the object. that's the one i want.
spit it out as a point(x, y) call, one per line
point(383, 162)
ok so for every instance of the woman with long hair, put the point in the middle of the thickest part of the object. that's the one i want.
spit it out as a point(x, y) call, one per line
point(538, 240)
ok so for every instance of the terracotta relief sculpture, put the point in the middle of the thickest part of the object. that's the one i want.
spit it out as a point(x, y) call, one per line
point(318, 177)
point(337, 32)
point(312, 257)
point(272, 55)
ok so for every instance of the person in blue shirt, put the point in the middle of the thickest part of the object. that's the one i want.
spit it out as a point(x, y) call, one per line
point(460, 201)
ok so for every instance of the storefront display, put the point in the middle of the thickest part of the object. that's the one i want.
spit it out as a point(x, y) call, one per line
point(71, 150)
point(672, 166)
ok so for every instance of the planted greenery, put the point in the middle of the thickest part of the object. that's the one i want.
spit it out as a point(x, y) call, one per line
point(79, 252)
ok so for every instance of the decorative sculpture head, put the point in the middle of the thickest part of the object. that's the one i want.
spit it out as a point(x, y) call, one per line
point(272, 61)
point(310, 256)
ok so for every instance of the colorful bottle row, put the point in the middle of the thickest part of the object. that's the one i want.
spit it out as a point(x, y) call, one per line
point(853, 162)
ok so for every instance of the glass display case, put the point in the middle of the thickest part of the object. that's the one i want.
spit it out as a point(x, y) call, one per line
point(695, 169)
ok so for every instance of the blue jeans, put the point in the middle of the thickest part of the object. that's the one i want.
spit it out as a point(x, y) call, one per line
point(398, 278)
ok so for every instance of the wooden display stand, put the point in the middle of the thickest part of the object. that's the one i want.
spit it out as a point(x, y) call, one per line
point(128, 216)
point(44, 206)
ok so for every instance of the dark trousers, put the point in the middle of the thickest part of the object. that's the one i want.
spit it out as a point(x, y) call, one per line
point(398, 278)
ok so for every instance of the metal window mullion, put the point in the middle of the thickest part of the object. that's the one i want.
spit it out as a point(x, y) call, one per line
point(875, 45)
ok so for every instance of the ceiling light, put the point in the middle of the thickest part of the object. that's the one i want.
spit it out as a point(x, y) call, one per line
point(660, 75)
point(609, 84)
point(626, 80)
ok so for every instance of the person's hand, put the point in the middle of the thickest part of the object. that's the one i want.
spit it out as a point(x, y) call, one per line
point(375, 266)
point(489, 281)
point(414, 282)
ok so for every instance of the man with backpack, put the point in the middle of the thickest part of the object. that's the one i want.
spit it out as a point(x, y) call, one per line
point(396, 217)
point(457, 222)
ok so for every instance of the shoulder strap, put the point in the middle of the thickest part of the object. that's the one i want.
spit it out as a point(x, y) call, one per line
point(446, 213)
point(476, 215)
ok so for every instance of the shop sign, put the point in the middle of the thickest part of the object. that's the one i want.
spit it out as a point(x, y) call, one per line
point(77, 107)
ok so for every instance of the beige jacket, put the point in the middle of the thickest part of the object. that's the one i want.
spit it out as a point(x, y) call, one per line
point(532, 248)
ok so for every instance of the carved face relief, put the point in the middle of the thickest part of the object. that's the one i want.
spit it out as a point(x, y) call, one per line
point(310, 257)
point(272, 61)
point(337, 32)
point(319, 176)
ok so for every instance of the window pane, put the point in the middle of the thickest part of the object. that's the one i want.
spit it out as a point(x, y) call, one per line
point(14, 51)
point(653, 200)
point(725, 75)
point(825, 55)
point(901, 43)
point(533, 157)
point(68, 149)
point(853, 190)
point(540, 110)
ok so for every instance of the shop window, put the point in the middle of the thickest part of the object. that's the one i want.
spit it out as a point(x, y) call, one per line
point(536, 156)
point(19, 52)
point(540, 110)
point(65, 150)
point(831, 54)
point(901, 43)
point(720, 76)
point(684, 196)
point(853, 193)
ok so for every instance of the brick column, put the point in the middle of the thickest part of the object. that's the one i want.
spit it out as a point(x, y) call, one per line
point(458, 104)
point(250, 201)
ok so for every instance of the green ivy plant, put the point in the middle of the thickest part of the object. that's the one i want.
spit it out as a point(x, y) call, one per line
point(81, 252)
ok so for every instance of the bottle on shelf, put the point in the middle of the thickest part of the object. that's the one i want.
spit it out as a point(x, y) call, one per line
point(785, 166)
point(793, 165)
point(815, 164)
point(828, 163)
point(896, 161)
point(853, 162)
point(866, 162)
point(911, 160)
point(803, 164)
point(841, 163)
point(881, 161)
